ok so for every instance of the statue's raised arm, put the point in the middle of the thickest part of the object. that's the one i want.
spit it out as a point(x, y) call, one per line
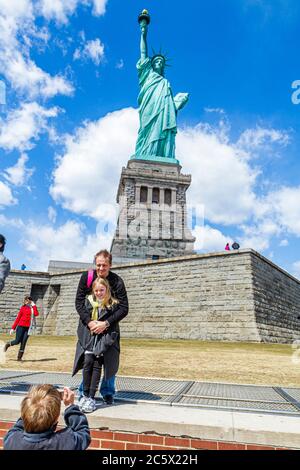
point(157, 106)
point(144, 20)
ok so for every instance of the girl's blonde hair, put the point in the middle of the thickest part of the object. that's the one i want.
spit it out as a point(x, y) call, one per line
point(108, 301)
point(40, 409)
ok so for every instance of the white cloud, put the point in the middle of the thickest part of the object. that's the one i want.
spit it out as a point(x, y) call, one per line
point(93, 50)
point(69, 242)
point(77, 54)
point(9, 222)
point(26, 77)
point(209, 239)
point(296, 269)
point(52, 214)
point(60, 10)
point(17, 33)
point(19, 174)
point(225, 180)
point(6, 197)
point(16, 8)
point(254, 138)
point(24, 125)
point(87, 175)
point(284, 243)
point(99, 7)
point(257, 236)
point(120, 64)
point(221, 179)
point(214, 110)
point(286, 208)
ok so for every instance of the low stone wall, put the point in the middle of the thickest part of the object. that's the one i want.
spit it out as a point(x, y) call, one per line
point(120, 440)
point(234, 296)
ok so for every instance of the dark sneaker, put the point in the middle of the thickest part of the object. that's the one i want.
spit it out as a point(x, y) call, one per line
point(20, 355)
point(108, 399)
point(7, 345)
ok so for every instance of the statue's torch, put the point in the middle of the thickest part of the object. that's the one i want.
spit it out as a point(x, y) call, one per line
point(144, 18)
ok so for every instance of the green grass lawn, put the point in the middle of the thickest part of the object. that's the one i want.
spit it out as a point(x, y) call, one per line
point(248, 363)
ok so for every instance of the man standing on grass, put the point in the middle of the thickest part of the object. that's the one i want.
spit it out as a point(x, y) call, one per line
point(103, 262)
point(4, 263)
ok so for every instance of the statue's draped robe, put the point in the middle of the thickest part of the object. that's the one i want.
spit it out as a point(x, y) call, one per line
point(157, 110)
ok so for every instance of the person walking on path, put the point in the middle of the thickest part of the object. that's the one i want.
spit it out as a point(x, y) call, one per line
point(227, 247)
point(103, 262)
point(36, 428)
point(4, 263)
point(95, 350)
point(24, 325)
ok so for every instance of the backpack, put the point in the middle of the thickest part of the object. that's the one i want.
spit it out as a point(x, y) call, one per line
point(90, 278)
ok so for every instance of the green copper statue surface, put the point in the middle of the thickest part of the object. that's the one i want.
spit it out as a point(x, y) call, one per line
point(157, 106)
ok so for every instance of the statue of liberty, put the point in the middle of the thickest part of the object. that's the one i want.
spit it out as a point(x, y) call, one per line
point(157, 106)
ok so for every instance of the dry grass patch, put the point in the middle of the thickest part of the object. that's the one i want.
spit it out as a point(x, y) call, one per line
point(252, 363)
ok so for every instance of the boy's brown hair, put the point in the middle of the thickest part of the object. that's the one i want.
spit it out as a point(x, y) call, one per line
point(40, 409)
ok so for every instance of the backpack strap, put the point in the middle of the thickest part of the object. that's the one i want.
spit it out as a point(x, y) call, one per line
point(90, 278)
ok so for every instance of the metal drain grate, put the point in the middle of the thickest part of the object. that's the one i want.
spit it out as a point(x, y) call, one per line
point(293, 392)
point(4, 374)
point(166, 387)
point(12, 383)
point(58, 379)
point(14, 387)
point(234, 392)
point(154, 390)
point(171, 392)
point(241, 405)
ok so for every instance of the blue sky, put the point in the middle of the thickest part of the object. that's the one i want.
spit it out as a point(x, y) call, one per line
point(70, 121)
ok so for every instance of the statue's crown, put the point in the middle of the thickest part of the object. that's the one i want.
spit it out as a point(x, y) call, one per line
point(160, 54)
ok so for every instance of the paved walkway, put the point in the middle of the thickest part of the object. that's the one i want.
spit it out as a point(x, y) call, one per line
point(175, 393)
point(158, 417)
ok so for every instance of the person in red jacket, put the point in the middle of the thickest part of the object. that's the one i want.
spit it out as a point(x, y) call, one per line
point(24, 323)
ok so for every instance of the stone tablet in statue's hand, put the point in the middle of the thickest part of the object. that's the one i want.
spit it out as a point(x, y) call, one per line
point(180, 100)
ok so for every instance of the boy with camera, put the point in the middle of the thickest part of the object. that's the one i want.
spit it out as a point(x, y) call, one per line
point(36, 429)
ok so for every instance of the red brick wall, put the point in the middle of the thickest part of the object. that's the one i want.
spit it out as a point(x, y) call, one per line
point(118, 440)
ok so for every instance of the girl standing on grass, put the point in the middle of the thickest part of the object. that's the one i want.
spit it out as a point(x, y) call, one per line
point(95, 350)
point(25, 325)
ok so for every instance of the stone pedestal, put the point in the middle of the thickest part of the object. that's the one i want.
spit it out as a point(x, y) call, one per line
point(152, 221)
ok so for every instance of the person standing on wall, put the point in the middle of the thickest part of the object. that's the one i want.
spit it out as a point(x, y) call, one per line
point(24, 325)
point(235, 246)
point(4, 263)
point(103, 262)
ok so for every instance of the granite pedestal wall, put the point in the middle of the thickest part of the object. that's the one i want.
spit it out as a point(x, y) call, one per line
point(276, 302)
point(234, 296)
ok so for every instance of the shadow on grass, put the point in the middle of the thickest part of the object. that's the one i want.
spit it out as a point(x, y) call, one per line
point(38, 360)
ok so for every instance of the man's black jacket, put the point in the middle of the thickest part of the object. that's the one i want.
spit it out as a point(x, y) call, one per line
point(118, 291)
